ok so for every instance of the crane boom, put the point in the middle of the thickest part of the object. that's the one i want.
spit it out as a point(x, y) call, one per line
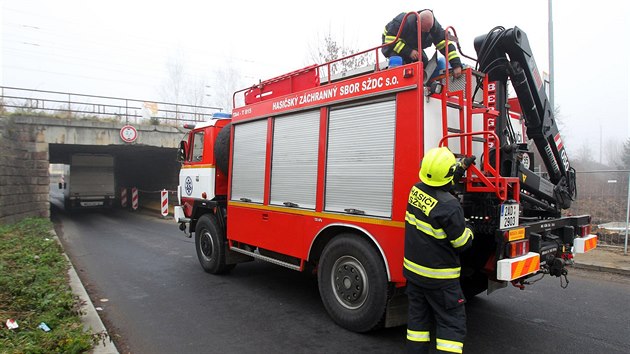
point(506, 54)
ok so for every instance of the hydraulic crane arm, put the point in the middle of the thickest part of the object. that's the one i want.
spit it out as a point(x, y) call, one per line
point(504, 54)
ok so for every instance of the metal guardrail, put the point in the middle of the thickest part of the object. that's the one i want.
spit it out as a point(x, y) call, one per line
point(14, 100)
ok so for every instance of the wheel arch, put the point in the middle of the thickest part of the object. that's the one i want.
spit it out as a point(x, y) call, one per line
point(326, 234)
point(201, 208)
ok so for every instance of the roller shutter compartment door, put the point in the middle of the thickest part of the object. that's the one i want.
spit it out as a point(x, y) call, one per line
point(294, 161)
point(248, 161)
point(360, 160)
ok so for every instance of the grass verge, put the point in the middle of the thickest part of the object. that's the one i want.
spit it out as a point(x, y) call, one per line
point(34, 289)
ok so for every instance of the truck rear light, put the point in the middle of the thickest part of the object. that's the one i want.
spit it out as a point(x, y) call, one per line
point(584, 230)
point(514, 234)
point(517, 249)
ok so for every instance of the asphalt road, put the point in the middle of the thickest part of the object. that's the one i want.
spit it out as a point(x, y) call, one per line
point(157, 299)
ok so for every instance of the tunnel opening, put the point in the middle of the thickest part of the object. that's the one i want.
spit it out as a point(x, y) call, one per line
point(149, 169)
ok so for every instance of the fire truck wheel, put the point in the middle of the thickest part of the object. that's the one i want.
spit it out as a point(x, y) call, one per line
point(353, 283)
point(210, 245)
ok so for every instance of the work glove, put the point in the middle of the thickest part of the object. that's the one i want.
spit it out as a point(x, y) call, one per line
point(457, 72)
point(467, 161)
point(462, 166)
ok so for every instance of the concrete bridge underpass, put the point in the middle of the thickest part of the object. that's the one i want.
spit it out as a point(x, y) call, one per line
point(29, 144)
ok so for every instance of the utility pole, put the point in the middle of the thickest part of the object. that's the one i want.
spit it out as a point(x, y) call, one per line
point(1, 41)
point(625, 243)
point(600, 144)
point(551, 70)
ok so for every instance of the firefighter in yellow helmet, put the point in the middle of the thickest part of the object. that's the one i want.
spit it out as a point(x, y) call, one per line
point(435, 234)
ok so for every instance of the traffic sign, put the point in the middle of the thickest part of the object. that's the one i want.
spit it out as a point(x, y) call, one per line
point(128, 134)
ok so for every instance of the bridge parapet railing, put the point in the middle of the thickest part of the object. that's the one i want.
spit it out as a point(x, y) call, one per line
point(21, 101)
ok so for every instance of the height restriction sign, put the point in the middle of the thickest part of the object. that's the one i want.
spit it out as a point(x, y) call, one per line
point(128, 134)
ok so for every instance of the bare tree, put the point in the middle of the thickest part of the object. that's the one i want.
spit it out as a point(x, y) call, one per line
point(328, 49)
point(557, 114)
point(196, 96)
point(226, 81)
point(173, 88)
point(613, 151)
point(625, 158)
point(585, 154)
point(182, 88)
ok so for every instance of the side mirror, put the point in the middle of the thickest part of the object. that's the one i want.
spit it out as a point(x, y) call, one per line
point(182, 152)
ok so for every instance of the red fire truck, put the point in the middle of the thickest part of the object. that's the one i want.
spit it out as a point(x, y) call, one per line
point(313, 173)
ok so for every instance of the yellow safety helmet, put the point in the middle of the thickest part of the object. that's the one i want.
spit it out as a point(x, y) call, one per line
point(437, 167)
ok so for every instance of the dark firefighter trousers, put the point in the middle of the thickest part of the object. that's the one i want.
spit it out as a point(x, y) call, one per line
point(446, 306)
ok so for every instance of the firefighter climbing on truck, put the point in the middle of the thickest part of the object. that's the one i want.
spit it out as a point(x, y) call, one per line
point(406, 46)
point(310, 175)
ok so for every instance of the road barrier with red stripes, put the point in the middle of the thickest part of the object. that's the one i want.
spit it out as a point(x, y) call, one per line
point(134, 198)
point(164, 202)
point(149, 199)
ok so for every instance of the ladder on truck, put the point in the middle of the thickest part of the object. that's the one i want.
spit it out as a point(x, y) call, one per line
point(463, 95)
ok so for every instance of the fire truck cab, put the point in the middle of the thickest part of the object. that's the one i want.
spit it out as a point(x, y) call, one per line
point(313, 173)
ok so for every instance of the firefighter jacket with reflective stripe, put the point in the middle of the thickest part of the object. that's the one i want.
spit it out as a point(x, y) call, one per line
point(435, 234)
point(408, 40)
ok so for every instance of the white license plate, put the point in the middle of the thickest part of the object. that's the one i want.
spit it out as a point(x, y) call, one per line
point(86, 204)
point(509, 215)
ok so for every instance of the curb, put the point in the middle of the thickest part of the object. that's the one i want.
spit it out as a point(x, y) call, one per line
point(599, 268)
point(91, 321)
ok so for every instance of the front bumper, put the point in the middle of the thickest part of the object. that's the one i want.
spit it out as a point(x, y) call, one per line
point(179, 215)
